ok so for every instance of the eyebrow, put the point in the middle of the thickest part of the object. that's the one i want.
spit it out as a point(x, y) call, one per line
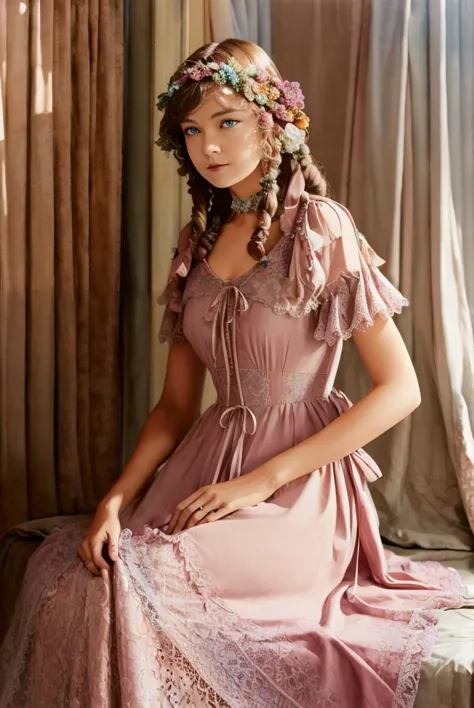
point(216, 115)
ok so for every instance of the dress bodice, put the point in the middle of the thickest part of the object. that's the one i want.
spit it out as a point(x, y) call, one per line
point(256, 357)
point(274, 336)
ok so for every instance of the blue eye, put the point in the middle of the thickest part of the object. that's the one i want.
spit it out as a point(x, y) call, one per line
point(186, 131)
point(234, 122)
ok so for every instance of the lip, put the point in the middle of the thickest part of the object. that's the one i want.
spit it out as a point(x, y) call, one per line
point(215, 168)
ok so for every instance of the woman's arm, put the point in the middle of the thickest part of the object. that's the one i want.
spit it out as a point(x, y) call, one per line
point(395, 395)
point(169, 421)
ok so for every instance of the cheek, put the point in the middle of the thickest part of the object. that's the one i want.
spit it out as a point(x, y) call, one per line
point(247, 145)
point(194, 152)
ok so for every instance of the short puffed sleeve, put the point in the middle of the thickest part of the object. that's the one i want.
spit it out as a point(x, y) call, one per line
point(171, 327)
point(355, 291)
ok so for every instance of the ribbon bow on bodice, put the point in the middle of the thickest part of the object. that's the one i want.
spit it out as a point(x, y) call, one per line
point(225, 307)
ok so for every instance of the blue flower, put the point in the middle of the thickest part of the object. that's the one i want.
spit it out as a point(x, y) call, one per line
point(230, 75)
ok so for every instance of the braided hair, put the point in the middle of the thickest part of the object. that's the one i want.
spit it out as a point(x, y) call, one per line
point(212, 206)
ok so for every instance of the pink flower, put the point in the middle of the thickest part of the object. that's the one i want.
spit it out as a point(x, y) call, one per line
point(292, 95)
point(200, 73)
point(281, 112)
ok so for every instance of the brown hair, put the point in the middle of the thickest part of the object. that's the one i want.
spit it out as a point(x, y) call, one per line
point(211, 206)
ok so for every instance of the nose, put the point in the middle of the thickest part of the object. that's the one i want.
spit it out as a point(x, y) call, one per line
point(211, 147)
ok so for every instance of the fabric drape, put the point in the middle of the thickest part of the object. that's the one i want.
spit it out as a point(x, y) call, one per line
point(245, 19)
point(60, 192)
point(136, 270)
point(388, 140)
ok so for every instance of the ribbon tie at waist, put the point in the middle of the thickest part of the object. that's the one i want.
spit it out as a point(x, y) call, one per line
point(230, 420)
point(228, 302)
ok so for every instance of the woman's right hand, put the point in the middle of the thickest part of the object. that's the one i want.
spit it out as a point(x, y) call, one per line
point(104, 529)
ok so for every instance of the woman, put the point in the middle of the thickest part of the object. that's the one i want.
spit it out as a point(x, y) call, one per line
point(250, 571)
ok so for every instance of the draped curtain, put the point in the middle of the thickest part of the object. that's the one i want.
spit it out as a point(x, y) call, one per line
point(136, 239)
point(245, 19)
point(180, 27)
point(389, 88)
point(60, 206)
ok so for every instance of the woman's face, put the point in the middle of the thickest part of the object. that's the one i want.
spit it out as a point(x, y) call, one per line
point(224, 141)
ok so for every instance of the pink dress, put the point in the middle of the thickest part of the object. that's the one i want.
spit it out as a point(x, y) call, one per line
point(290, 603)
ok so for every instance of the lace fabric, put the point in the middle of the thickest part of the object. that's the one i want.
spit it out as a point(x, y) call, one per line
point(156, 633)
point(352, 302)
point(347, 303)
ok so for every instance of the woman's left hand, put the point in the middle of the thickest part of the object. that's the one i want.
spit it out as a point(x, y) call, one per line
point(215, 501)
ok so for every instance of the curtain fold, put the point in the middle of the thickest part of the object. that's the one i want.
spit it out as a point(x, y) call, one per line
point(245, 19)
point(60, 192)
point(179, 29)
point(387, 138)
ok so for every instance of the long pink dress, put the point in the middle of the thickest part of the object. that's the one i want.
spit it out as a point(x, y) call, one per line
point(290, 603)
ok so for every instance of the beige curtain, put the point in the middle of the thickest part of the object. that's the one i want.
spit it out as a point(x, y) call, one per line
point(376, 76)
point(180, 28)
point(60, 203)
point(246, 19)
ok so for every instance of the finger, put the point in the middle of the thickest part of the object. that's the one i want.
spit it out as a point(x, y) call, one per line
point(219, 514)
point(199, 516)
point(85, 554)
point(192, 509)
point(97, 557)
point(113, 545)
point(90, 565)
point(182, 509)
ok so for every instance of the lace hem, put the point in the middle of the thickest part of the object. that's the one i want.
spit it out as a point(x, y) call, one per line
point(351, 303)
point(242, 663)
point(157, 633)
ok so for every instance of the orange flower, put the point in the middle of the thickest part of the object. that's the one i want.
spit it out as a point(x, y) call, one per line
point(302, 121)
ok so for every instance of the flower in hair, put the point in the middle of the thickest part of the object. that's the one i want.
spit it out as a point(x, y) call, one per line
point(283, 99)
point(302, 121)
point(269, 180)
point(198, 73)
point(292, 138)
point(291, 94)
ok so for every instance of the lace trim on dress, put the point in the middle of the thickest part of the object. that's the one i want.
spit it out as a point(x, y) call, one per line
point(171, 328)
point(352, 302)
point(245, 664)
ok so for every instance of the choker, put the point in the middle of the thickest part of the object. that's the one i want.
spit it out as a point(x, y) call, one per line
point(246, 204)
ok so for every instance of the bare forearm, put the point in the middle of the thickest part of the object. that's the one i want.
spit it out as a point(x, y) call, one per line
point(380, 410)
point(161, 433)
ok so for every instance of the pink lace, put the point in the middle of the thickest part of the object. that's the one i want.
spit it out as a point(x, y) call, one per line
point(71, 641)
point(352, 302)
point(348, 303)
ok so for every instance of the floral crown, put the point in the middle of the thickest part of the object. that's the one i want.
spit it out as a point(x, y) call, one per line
point(283, 99)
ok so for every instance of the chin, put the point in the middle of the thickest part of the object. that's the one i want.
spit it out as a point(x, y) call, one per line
point(225, 181)
point(220, 181)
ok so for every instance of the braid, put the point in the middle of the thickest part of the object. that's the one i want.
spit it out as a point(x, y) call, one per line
point(256, 245)
point(205, 230)
point(315, 182)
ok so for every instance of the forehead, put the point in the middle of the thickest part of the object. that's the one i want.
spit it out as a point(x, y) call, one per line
point(218, 99)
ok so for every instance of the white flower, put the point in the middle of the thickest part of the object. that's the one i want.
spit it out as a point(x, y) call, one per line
point(292, 138)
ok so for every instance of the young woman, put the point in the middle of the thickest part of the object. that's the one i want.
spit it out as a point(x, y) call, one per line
point(250, 572)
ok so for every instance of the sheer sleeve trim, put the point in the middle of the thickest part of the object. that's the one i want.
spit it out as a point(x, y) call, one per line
point(353, 301)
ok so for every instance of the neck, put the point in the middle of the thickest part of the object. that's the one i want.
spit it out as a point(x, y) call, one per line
point(248, 186)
